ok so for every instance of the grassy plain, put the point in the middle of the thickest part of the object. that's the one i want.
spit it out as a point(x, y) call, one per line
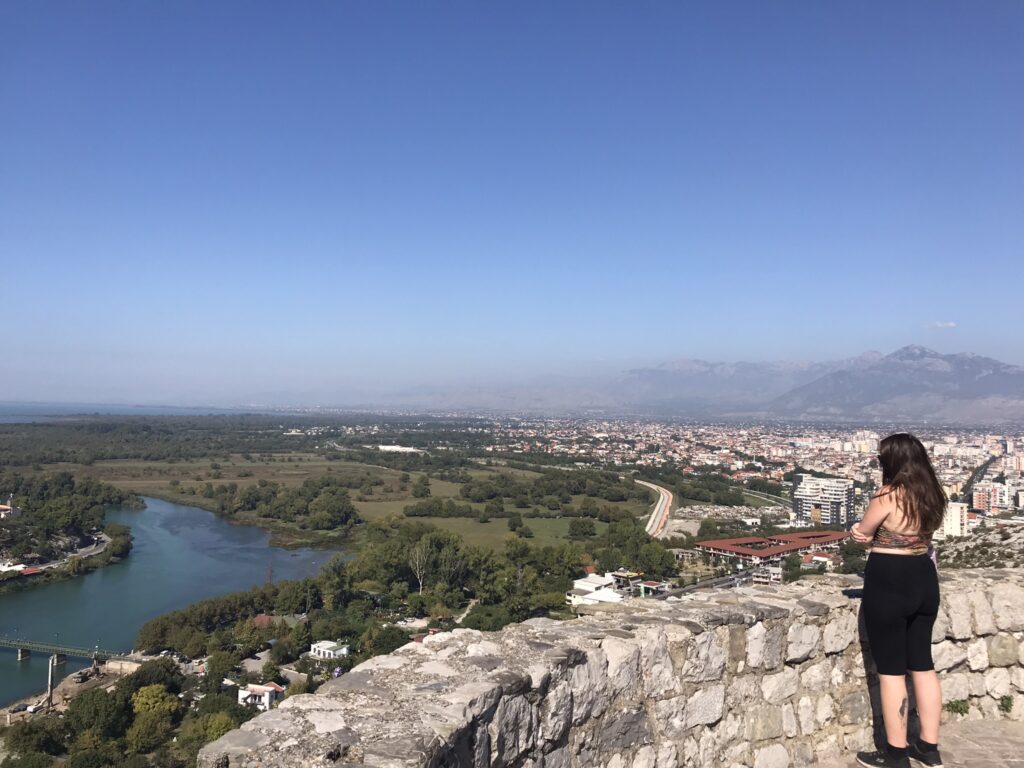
point(182, 482)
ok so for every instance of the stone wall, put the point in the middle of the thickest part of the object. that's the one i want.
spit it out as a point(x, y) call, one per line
point(759, 677)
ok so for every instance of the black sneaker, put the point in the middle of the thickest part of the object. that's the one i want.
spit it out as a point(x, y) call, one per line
point(882, 759)
point(932, 758)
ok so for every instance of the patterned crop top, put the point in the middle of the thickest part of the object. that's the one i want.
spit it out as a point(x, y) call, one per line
point(913, 543)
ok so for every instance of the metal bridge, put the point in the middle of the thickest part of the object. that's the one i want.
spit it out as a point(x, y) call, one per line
point(24, 647)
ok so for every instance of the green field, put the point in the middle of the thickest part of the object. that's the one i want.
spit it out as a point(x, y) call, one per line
point(182, 482)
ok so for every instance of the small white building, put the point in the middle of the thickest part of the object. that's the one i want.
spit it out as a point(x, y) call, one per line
point(262, 697)
point(593, 589)
point(325, 649)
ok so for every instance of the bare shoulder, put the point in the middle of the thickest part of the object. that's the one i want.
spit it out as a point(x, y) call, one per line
point(887, 496)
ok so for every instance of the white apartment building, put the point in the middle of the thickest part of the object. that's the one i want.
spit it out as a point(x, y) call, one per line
point(822, 500)
point(954, 523)
point(325, 649)
point(990, 497)
point(593, 589)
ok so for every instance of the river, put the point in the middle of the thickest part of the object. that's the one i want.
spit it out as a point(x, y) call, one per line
point(179, 555)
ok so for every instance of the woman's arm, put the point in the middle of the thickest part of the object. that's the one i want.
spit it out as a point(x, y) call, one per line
point(864, 530)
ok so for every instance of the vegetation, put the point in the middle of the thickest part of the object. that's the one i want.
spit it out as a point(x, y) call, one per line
point(153, 717)
point(58, 515)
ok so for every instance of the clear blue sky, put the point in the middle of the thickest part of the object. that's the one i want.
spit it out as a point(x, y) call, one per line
point(210, 202)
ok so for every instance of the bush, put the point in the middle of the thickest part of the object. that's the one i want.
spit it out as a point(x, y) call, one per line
point(1006, 704)
point(958, 707)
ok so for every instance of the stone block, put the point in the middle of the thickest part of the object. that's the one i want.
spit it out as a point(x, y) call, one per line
point(984, 622)
point(958, 607)
point(1003, 650)
point(802, 641)
point(705, 706)
point(941, 628)
point(816, 677)
point(977, 655)
point(997, 682)
point(1008, 606)
point(774, 756)
point(789, 724)
point(780, 686)
point(955, 687)
point(805, 715)
point(763, 722)
point(840, 632)
point(947, 655)
point(824, 709)
point(707, 661)
point(855, 707)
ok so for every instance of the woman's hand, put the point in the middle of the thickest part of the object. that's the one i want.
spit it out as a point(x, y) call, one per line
point(860, 538)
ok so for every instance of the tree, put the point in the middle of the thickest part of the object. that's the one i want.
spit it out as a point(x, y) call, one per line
point(791, 568)
point(149, 731)
point(155, 698)
point(97, 710)
point(421, 488)
point(270, 671)
point(219, 665)
point(380, 640)
point(420, 555)
point(580, 527)
point(38, 735)
point(334, 582)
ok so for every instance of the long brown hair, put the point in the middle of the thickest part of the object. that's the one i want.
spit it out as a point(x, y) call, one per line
point(907, 471)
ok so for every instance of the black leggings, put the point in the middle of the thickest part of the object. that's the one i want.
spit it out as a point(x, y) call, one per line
point(901, 600)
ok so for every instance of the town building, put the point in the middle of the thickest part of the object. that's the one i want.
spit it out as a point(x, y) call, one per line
point(990, 497)
point(954, 523)
point(593, 589)
point(756, 551)
point(822, 500)
point(262, 697)
point(325, 649)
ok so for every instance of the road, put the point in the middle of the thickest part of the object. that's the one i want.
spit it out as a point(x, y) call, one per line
point(101, 542)
point(662, 509)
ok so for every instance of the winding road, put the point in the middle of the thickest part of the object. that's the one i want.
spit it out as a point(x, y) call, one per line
point(662, 508)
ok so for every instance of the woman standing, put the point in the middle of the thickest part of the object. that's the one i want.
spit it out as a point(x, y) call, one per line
point(901, 598)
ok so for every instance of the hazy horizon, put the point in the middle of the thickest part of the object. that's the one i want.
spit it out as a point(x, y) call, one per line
point(244, 203)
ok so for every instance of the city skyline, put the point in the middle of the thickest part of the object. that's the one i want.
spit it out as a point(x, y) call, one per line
point(233, 204)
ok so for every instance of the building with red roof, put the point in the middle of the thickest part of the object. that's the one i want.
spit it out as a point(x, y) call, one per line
point(756, 550)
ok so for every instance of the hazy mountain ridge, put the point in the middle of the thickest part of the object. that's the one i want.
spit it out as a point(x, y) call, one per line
point(915, 383)
point(911, 384)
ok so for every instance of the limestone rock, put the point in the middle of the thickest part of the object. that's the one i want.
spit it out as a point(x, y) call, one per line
point(946, 655)
point(977, 655)
point(840, 632)
point(774, 756)
point(1003, 650)
point(705, 706)
point(1008, 606)
point(802, 642)
point(780, 686)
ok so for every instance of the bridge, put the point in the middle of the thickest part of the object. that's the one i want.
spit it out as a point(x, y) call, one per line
point(25, 648)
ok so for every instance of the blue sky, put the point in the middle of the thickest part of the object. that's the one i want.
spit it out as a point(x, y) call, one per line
point(215, 202)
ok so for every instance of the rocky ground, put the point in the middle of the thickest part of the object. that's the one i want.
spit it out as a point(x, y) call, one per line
point(988, 547)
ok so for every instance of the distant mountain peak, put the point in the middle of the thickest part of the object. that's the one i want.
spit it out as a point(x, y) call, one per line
point(912, 352)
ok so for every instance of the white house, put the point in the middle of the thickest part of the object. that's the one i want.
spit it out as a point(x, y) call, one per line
point(325, 649)
point(263, 697)
point(593, 589)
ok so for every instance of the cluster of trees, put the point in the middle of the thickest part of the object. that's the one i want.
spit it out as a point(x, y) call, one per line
point(58, 512)
point(151, 719)
point(319, 503)
point(709, 487)
point(554, 488)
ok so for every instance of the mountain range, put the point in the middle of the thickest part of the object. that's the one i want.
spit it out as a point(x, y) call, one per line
point(913, 384)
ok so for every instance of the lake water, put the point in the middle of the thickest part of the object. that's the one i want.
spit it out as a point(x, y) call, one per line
point(180, 555)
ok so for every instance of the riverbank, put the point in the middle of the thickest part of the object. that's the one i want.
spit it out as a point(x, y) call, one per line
point(180, 555)
point(114, 547)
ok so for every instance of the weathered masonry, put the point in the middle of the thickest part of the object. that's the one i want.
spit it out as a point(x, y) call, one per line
point(757, 677)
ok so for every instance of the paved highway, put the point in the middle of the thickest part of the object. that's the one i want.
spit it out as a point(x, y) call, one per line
point(662, 508)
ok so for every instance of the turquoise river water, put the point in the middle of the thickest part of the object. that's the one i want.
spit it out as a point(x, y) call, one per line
point(180, 555)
